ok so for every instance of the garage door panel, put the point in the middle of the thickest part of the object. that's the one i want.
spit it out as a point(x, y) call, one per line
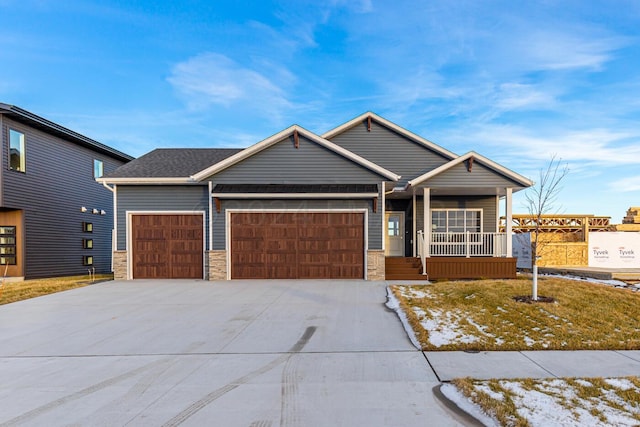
point(167, 246)
point(298, 245)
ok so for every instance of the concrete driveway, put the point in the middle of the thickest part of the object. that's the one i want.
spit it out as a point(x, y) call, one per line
point(194, 353)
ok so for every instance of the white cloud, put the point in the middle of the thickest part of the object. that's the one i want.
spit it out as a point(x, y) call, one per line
point(555, 50)
point(596, 146)
point(512, 96)
point(211, 79)
point(626, 185)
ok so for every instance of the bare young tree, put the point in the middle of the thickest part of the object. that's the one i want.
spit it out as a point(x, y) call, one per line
point(541, 200)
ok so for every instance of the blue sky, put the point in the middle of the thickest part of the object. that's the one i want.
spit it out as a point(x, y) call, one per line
point(517, 82)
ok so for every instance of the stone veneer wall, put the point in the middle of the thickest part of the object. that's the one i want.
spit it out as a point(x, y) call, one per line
point(375, 265)
point(217, 265)
point(120, 265)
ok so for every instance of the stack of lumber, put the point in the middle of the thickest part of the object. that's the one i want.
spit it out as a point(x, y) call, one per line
point(633, 216)
point(631, 222)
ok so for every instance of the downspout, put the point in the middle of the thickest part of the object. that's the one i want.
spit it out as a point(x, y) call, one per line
point(114, 234)
point(210, 216)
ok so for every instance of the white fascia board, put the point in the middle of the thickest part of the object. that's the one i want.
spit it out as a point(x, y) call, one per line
point(402, 131)
point(484, 160)
point(247, 152)
point(256, 148)
point(294, 195)
point(146, 180)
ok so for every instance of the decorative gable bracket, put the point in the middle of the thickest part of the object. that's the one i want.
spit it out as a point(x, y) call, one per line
point(470, 163)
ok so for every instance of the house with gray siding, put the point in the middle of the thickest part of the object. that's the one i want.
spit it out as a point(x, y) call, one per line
point(366, 200)
point(55, 219)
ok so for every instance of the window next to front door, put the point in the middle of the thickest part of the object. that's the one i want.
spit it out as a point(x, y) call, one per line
point(17, 161)
point(456, 220)
point(7, 245)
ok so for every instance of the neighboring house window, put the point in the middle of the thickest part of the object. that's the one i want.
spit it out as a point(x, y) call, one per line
point(7, 245)
point(87, 260)
point(98, 168)
point(456, 220)
point(16, 151)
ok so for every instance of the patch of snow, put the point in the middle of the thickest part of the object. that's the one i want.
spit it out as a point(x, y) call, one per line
point(443, 327)
point(453, 394)
point(502, 309)
point(555, 402)
point(620, 383)
point(528, 341)
point(394, 304)
point(488, 391)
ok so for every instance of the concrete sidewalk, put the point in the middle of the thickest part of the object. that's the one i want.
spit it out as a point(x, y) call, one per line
point(448, 365)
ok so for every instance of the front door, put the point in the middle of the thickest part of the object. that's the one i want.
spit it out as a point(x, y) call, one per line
point(394, 238)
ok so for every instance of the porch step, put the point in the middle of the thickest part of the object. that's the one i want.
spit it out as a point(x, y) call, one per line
point(400, 268)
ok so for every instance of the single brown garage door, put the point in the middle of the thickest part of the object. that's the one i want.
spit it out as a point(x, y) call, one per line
point(285, 245)
point(167, 246)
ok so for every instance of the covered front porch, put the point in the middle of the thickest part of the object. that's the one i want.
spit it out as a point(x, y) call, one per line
point(445, 224)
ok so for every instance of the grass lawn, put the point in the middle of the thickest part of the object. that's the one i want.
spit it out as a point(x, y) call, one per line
point(17, 291)
point(556, 401)
point(483, 315)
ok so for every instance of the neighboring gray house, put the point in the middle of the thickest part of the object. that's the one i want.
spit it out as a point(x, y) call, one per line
point(55, 219)
point(350, 203)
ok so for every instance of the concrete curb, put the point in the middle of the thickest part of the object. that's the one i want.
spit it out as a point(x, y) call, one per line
point(456, 412)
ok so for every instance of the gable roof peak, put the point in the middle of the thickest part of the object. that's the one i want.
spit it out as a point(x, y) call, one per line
point(295, 131)
point(373, 117)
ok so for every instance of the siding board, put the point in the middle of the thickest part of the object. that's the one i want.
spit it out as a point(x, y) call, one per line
point(282, 163)
point(58, 181)
point(486, 203)
point(187, 198)
point(390, 150)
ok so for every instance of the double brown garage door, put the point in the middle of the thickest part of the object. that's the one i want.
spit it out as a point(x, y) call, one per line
point(301, 245)
point(167, 246)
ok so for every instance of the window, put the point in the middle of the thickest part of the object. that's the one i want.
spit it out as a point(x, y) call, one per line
point(456, 220)
point(7, 245)
point(87, 227)
point(393, 226)
point(87, 260)
point(98, 168)
point(87, 243)
point(16, 151)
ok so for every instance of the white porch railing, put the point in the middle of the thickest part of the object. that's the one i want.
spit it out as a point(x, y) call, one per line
point(466, 244)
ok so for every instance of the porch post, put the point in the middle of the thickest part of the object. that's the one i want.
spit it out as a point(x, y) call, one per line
point(509, 220)
point(427, 221)
point(415, 231)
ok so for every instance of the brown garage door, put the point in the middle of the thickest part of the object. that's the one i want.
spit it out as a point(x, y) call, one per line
point(167, 246)
point(309, 245)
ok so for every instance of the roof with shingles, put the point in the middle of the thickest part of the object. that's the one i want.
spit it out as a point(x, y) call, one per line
point(172, 162)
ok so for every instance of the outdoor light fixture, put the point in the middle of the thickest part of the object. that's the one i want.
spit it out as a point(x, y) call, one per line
point(83, 209)
point(96, 211)
point(103, 212)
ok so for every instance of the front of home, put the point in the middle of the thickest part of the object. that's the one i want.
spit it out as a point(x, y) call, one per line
point(302, 205)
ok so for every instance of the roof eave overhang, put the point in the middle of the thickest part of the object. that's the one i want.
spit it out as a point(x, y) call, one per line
point(146, 180)
point(28, 118)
